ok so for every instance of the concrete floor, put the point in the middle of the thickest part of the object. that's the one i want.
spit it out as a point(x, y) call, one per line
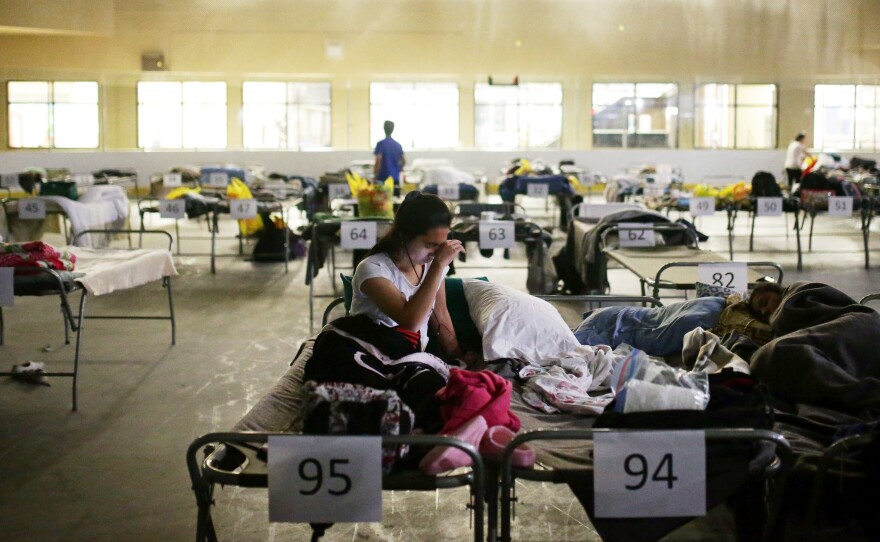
point(114, 470)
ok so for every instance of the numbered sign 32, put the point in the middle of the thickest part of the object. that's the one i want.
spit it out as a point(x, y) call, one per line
point(172, 208)
point(769, 206)
point(357, 234)
point(537, 190)
point(325, 479)
point(497, 234)
point(338, 191)
point(242, 209)
point(635, 234)
point(702, 206)
point(171, 180)
point(32, 209)
point(840, 205)
point(448, 191)
point(649, 474)
point(218, 179)
point(733, 276)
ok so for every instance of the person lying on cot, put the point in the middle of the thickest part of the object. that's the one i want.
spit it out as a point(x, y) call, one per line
point(660, 331)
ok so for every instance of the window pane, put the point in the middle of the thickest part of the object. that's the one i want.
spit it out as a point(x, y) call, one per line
point(84, 92)
point(610, 94)
point(265, 126)
point(714, 116)
point(497, 126)
point(495, 94)
point(312, 93)
point(425, 114)
point(204, 126)
point(76, 126)
point(28, 92)
point(541, 93)
point(656, 90)
point(159, 126)
point(755, 127)
point(263, 93)
point(543, 126)
point(528, 115)
point(835, 95)
point(29, 125)
point(756, 94)
point(199, 92)
point(867, 128)
point(314, 126)
point(159, 93)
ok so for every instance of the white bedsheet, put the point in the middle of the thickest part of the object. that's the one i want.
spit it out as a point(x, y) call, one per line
point(108, 270)
point(101, 207)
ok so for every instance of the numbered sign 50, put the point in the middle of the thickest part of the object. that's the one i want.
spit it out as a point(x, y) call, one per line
point(769, 206)
point(649, 473)
point(357, 234)
point(497, 234)
point(324, 479)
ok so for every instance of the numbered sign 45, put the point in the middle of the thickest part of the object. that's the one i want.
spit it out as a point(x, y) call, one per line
point(357, 234)
point(649, 473)
point(325, 479)
point(733, 276)
point(702, 206)
point(537, 190)
point(242, 209)
point(497, 234)
point(840, 205)
point(31, 209)
point(172, 208)
point(769, 206)
point(635, 234)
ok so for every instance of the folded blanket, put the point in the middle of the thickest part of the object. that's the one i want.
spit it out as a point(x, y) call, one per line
point(36, 254)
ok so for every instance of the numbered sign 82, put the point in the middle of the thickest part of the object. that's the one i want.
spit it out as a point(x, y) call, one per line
point(732, 276)
point(172, 208)
point(537, 190)
point(31, 209)
point(357, 234)
point(631, 234)
point(242, 209)
point(497, 234)
point(769, 206)
point(325, 479)
point(649, 473)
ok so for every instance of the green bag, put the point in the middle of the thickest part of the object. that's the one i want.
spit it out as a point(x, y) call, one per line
point(65, 189)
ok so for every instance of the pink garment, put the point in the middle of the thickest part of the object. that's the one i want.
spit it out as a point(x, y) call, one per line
point(468, 394)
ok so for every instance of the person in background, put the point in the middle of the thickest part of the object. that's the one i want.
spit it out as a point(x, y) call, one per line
point(794, 157)
point(389, 158)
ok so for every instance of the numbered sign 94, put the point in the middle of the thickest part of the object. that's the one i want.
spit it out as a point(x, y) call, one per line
point(632, 234)
point(497, 234)
point(357, 234)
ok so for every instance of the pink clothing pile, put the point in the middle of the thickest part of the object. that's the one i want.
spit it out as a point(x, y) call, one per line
point(36, 254)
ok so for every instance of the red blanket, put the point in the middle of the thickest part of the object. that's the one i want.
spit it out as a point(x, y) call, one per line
point(35, 254)
point(468, 394)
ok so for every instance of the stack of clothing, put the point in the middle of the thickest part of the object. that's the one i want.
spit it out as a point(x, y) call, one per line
point(36, 254)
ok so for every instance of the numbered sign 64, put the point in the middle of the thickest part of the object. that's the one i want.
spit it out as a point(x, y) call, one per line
point(649, 473)
point(325, 479)
point(357, 234)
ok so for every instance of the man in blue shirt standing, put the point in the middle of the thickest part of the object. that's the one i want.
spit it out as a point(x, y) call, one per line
point(389, 158)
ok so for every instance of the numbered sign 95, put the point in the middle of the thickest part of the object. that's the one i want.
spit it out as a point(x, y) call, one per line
point(497, 234)
point(357, 234)
point(325, 479)
point(649, 473)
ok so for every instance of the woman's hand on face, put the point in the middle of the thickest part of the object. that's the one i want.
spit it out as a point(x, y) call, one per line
point(447, 252)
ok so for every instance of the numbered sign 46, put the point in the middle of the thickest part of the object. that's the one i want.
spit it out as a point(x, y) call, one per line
point(649, 474)
point(448, 191)
point(769, 206)
point(840, 205)
point(702, 206)
point(497, 234)
point(357, 234)
point(31, 209)
point(733, 276)
point(172, 208)
point(634, 234)
point(242, 209)
point(325, 479)
point(537, 190)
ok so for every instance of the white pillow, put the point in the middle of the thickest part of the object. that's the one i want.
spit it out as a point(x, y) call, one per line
point(517, 325)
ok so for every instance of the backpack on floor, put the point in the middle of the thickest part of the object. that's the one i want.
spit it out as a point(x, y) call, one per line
point(764, 185)
point(270, 243)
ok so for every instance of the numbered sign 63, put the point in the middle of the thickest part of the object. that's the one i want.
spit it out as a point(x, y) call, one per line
point(497, 234)
point(325, 479)
point(357, 234)
point(649, 473)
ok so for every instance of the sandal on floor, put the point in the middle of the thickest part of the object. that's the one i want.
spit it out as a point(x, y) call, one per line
point(445, 458)
point(496, 440)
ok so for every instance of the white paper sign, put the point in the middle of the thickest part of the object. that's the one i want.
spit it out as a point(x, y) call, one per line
point(497, 234)
point(725, 275)
point(242, 209)
point(172, 208)
point(598, 210)
point(7, 291)
point(769, 206)
point(653, 190)
point(8, 180)
point(84, 178)
point(338, 191)
point(537, 190)
point(218, 179)
point(448, 191)
point(702, 206)
point(31, 209)
point(840, 205)
point(635, 234)
point(325, 479)
point(171, 180)
point(358, 234)
point(649, 474)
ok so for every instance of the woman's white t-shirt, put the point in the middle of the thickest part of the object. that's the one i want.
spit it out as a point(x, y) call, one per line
point(382, 266)
point(795, 154)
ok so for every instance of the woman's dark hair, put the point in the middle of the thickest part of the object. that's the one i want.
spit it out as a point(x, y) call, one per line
point(767, 286)
point(417, 214)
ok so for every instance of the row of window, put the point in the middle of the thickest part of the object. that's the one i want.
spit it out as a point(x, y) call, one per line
point(296, 115)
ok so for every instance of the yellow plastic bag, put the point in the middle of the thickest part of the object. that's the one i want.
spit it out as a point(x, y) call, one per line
point(525, 167)
point(181, 191)
point(374, 199)
point(238, 190)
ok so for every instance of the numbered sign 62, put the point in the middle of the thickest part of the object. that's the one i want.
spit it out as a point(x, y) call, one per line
point(769, 206)
point(733, 276)
point(31, 209)
point(702, 206)
point(649, 473)
point(242, 209)
point(633, 234)
point(172, 208)
point(537, 190)
point(357, 234)
point(325, 479)
point(497, 234)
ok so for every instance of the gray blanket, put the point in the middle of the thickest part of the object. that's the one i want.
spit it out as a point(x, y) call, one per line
point(827, 351)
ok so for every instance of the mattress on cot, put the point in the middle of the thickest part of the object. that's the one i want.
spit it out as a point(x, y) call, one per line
point(646, 262)
point(107, 270)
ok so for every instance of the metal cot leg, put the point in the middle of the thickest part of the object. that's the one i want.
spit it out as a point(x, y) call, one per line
point(166, 281)
point(79, 327)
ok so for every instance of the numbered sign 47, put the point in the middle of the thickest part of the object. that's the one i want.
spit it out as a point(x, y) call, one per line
point(649, 473)
point(769, 206)
point(357, 234)
point(325, 479)
point(497, 234)
point(32, 209)
point(733, 276)
point(636, 234)
point(242, 209)
point(172, 208)
point(537, 190)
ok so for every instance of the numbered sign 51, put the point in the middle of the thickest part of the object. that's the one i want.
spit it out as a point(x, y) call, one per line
point(325, 479)
point(840, 205)
point(448, 191)
point(733, 276)
point(242, 209)
point(649, 474)
point(769, 206)
point(357, 234)
point(338, 191)
point(497, 234)
point(702, 206)
point(634, 234)
point(31, 209)
point(537, 190)
point(171, 180)
point(172, 208)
